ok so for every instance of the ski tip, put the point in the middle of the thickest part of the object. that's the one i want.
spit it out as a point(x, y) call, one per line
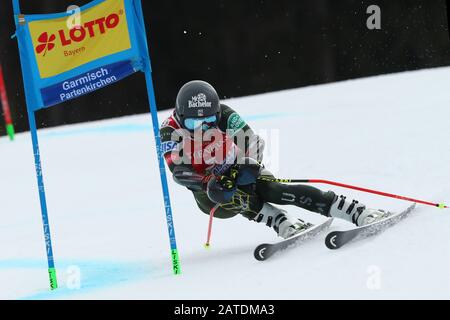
point(260, 252)
point(330, 240)
point(442, 206)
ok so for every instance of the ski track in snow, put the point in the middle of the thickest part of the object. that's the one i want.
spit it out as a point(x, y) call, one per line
point(107, 219)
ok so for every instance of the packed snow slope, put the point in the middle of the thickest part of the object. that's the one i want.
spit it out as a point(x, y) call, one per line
point(108, 223)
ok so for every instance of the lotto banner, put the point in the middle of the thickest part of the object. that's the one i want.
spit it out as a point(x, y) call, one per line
point(68, 55)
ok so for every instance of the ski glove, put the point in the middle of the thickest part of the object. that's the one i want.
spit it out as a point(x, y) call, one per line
point(221, 189)
point(227, 183)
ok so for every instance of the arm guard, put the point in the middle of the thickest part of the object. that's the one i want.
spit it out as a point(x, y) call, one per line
point(186, 176)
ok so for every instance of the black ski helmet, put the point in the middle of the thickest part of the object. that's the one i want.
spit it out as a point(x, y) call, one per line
point(197, 99)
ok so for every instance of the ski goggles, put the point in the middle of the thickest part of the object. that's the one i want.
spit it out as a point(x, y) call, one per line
point(205, 122)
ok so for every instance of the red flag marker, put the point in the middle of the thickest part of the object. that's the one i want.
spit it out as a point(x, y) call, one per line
point(5, 105)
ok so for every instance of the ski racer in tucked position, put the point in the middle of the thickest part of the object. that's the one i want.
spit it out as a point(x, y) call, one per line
point(212, 151)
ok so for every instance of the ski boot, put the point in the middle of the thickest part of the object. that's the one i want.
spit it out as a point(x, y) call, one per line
point(284, 225)
point(355, 212)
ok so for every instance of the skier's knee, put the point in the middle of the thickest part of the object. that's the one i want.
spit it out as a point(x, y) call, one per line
point(203, 207)
point(222, 213)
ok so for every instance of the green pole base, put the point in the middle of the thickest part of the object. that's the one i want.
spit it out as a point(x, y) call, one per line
point(176, 262)
point(442, 206)
point(10, 131)
point(52, 276)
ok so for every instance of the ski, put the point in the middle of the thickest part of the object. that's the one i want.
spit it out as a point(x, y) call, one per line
point(265, 251)
point(337, 239)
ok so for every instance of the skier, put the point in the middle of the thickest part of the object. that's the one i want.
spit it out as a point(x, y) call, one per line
point(212, 151)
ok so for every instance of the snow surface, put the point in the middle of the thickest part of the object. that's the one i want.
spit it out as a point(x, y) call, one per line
point(108, 223)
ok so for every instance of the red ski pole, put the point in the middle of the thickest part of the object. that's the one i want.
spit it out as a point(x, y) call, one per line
point(5, 104)
point(381, 193)
point(211, 217)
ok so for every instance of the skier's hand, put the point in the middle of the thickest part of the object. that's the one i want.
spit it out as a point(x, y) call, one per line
point(220, 189)
point(246, 172)
point(227, 183)
point(234, 172)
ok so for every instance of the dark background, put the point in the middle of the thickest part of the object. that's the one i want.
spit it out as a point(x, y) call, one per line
point(246, 47)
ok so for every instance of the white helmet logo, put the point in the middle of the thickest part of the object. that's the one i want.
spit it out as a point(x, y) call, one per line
point(199, 101)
